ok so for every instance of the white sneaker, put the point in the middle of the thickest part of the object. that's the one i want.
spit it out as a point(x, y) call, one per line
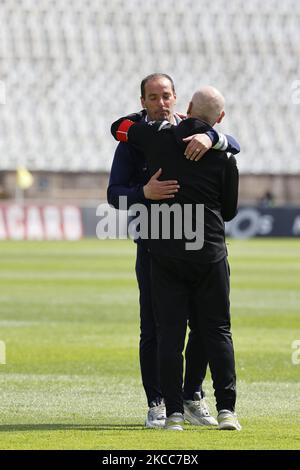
point(156, 417)
point(174, 422)
point(197, 412)
point(228, 421)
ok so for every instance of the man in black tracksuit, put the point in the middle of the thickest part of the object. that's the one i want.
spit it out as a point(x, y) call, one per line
point(191, 280)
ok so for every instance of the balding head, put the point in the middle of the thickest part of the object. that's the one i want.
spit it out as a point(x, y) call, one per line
point(207, 104)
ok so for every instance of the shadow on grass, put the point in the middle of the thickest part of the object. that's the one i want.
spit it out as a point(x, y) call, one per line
point(69, 427)
point(89, 427)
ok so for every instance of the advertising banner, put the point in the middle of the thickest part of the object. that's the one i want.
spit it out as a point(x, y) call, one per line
point(40, 222)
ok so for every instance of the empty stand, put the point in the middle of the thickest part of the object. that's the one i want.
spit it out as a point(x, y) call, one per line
point(71, 67)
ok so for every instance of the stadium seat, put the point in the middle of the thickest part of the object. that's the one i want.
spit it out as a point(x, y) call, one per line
point(72, 67)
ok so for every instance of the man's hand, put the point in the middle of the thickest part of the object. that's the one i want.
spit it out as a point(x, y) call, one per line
point(197, 147)
point(156, 190)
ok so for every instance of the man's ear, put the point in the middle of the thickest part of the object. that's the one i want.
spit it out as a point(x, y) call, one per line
point(189, 110)
point(221, 117)
point(143, 102)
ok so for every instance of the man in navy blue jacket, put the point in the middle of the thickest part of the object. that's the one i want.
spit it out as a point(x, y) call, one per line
point(130, 177)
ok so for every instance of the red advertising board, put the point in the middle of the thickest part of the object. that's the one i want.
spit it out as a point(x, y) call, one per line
point(40, 222)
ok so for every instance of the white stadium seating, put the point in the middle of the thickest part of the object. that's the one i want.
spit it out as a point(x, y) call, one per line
point(70, 67)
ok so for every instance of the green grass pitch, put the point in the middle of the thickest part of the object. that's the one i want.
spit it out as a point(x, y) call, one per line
point(70, 322)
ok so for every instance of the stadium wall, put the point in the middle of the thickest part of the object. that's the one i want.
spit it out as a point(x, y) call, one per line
point(36, 221)
point(85, 187)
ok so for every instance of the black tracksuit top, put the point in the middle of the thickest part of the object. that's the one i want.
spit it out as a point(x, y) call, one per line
point(212, 181)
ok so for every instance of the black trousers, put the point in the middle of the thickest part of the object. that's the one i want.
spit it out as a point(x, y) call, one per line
point(195, 354)
point(177, 287)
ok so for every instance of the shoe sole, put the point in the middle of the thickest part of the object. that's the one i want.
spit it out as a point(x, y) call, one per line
point(174, 428)
point(229, 427)
point(154, 426)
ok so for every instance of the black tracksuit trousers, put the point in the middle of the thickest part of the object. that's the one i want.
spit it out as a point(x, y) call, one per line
point(178, 286)
point(196, 360)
